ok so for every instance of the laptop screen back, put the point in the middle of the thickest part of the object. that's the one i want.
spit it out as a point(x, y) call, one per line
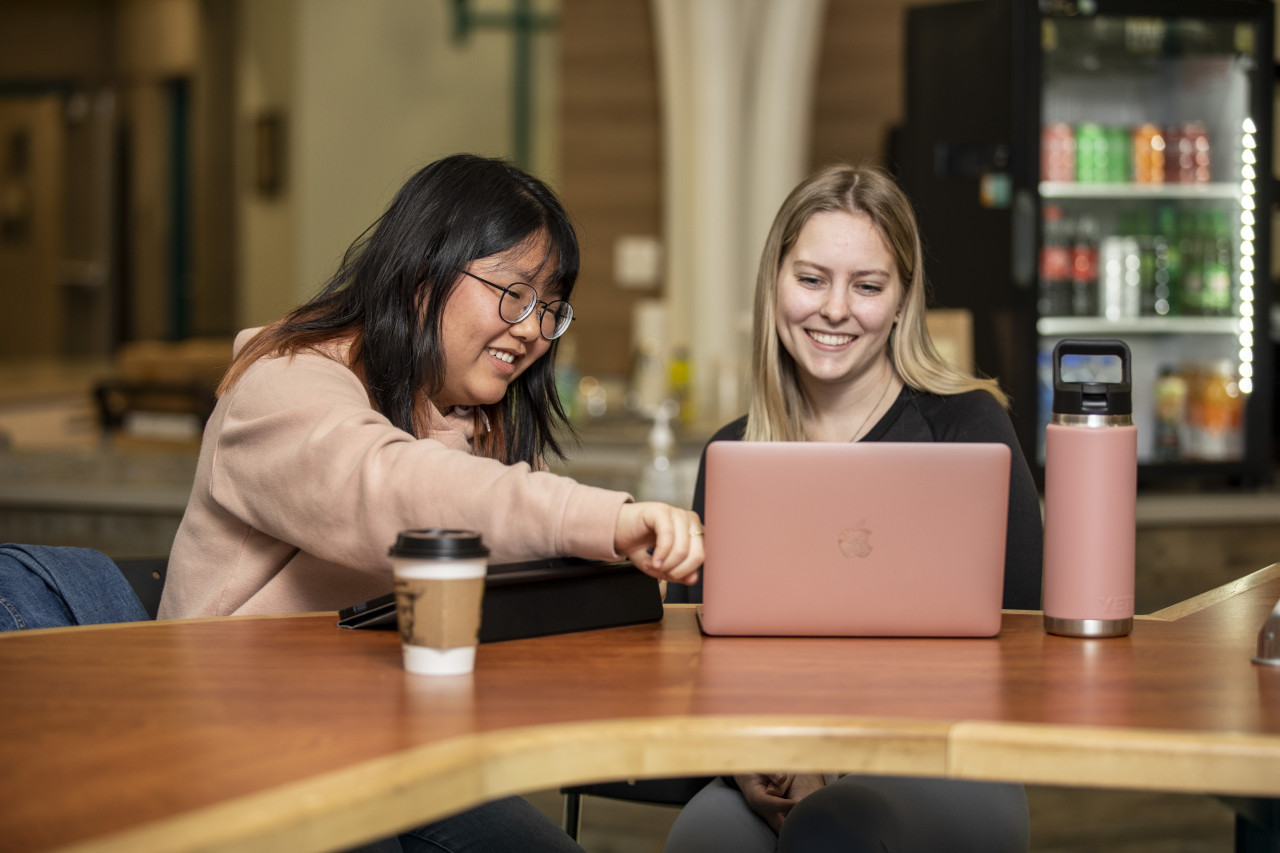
point(860, 539)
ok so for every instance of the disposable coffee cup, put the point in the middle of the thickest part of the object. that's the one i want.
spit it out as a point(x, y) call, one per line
point(439, 583)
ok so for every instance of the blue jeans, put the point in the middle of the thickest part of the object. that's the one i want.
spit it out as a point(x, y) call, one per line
point(51, 587)
point(503, 826)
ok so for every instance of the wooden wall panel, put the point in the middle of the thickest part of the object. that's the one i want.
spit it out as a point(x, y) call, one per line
point(858, 97)
point(610, 162)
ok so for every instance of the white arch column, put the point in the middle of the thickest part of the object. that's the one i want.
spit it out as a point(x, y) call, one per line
point(737, 90)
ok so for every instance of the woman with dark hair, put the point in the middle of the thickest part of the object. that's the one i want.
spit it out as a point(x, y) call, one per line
point(411, 392)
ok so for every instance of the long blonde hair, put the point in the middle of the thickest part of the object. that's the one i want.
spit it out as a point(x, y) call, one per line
point(778, 405)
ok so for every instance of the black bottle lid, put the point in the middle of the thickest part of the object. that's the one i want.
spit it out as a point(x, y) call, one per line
point(434, 543)
point(1092, 398)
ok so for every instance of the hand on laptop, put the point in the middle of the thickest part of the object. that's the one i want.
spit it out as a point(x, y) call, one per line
point(660, 540)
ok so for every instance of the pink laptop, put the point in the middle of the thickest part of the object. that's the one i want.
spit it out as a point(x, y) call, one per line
point(875, 539)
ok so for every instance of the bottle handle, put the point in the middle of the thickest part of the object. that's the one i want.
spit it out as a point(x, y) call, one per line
point(1091, 346)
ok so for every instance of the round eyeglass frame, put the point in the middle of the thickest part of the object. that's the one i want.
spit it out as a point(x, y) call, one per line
point(560, 312)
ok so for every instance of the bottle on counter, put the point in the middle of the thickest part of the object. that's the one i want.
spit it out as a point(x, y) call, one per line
point(1090, 499)
point(680, 379)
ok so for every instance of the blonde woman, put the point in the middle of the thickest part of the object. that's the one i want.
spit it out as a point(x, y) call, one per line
point(840, 352)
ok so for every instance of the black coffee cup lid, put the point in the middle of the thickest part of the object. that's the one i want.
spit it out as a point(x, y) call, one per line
point(434, 543)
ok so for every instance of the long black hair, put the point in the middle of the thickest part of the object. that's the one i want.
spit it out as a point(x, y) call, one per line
point(405, 266)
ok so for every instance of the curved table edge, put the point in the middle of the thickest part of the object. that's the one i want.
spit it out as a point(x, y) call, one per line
point(425, 783)
point(1205, 600)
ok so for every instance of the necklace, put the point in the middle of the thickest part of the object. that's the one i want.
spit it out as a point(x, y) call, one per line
point(883, 391)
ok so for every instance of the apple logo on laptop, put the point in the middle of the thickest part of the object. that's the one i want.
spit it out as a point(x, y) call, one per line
point(855, 541)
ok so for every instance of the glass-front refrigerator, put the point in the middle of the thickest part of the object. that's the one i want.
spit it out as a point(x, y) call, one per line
point(1103, 170)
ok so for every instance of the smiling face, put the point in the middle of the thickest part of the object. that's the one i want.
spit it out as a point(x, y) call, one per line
point(483, 354)
point(838, 294)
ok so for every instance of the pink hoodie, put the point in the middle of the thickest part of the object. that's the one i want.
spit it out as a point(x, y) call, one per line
point(302, 487)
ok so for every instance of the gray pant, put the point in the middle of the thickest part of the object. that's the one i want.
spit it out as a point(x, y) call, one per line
point(510, 825)
point(863, 814)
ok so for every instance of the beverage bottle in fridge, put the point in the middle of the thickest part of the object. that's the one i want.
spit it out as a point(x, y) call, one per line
point(1118, 261)
point(1124, 296)
point(1167, 230)
point(1191, 256)
point(1217, 265)
point(1148, 154)
point(1091, 153)
point(1139, 297)
point(1171, 414)
point(1057, 152)
point(1217, 421)
point(1111, 276)
point(1153, 272)
point(1084, 268)
point(1055, 265)
point(1194, 376)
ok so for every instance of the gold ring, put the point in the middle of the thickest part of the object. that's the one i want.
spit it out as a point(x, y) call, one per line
point(695, 532)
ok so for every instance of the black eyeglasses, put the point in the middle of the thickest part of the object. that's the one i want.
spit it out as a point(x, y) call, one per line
point(518, 301)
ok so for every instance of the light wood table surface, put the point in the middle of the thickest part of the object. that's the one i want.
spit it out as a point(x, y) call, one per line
point(288, 733)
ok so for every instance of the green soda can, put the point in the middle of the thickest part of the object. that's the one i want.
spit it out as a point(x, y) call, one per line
point(1119, 155)
point(1091, 153)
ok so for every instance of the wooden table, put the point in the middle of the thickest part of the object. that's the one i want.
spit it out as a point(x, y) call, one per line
point(290, 733)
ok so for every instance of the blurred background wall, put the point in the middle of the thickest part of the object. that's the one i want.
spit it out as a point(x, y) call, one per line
point(186, 168)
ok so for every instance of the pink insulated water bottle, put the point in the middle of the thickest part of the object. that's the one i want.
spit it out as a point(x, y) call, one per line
point(1090, 496)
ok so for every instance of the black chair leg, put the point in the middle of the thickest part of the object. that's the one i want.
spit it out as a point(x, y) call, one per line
point(1252, 838)
point(1257, 824)
point(573, 814)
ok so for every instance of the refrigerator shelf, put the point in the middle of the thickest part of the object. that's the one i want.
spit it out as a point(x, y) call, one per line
point(1060, 326)
point(1065, 189)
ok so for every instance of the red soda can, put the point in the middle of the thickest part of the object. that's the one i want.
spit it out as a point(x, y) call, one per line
point(1179, 156)
point(1199, 136)
point(1057, 152)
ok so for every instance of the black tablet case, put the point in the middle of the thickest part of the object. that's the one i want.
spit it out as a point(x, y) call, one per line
point(543, 597)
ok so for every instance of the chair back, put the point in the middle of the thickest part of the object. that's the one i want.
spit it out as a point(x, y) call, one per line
point(146, 576)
